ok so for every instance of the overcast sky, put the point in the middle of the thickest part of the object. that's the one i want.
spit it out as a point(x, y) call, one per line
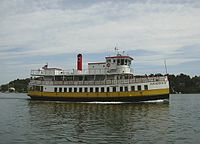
point(34, 32)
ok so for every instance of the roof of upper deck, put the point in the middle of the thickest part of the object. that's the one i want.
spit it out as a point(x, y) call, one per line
point(93, 63)
point(120, 57)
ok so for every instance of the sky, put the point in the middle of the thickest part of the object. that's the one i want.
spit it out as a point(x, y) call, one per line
point(36, 32)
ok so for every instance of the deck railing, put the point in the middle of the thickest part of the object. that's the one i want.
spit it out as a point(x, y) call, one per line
point(60, 72)
point(102, 82)
point(41, 72)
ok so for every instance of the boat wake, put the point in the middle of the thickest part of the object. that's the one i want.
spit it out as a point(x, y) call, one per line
point(151, 101)
point(96, 102)
point(157, 101)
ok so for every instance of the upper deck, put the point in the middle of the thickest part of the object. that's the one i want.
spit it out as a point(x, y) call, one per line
point(119, 64)
point(60, 72)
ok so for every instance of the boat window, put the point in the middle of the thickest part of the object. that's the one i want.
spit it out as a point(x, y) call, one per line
point(60, 89)
point(108, 61)
point(121, 89)
point(145, 87)
point(96, 89)
point(108, 89)
point(37, 88)
point(102, 89)
point(80, 78)
point(70, 89)
point(91, 89)
point(122, 61)
point(129, 62)
point(86, 89)
point(125, 61)
point(139, 87)
point(80, 89)
point(69, 78)
point(65, 89)
point(126, 76)
point(118, 61)
point(132, 88)
point(126, 88)
point(75, 89)
point(34, 88)
point(55, 89)
point(114, 89)
point(41, 88)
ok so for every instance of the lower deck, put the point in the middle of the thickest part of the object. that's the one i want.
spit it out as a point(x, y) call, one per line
point(132, 96)
point(125, 92)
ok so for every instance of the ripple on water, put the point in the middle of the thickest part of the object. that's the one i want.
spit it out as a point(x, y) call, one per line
point(26, 121)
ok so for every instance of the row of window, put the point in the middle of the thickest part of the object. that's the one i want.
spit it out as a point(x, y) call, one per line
point(120, 61)
point(99, 89)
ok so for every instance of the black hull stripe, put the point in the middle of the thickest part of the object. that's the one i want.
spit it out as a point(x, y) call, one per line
point(107, 99)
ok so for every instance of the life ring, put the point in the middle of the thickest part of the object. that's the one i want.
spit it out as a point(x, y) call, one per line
point(108, 64)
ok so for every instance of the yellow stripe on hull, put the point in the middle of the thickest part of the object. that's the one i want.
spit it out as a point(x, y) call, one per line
point(99, 94)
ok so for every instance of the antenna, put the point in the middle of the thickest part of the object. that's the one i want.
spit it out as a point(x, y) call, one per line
point(165, 66)
point(116, 50)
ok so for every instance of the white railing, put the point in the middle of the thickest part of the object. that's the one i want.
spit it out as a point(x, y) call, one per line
point(54, 72)
point(41, 72)
point(103, 82)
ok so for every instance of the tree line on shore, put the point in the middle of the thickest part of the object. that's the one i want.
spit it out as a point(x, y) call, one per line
point(184, 84)
point(20, 85)
point(181, 83)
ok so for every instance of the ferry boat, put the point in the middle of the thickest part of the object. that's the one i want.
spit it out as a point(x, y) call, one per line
point(110, 81)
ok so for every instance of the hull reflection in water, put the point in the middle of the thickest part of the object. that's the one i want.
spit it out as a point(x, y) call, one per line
point(99, 123)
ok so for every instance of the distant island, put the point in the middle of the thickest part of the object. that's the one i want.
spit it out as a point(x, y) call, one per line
point(181, 83)
point(19, 85)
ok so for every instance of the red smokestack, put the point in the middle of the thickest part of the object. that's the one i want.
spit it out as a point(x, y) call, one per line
point(79, 62)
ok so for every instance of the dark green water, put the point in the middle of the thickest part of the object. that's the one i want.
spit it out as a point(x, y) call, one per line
point(39, 122)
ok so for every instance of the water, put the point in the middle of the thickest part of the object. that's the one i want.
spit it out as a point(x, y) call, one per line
point(26, 121)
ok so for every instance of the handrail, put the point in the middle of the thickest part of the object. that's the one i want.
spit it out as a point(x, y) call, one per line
point(54, 72)
point(41, 72)
point(103, 82)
